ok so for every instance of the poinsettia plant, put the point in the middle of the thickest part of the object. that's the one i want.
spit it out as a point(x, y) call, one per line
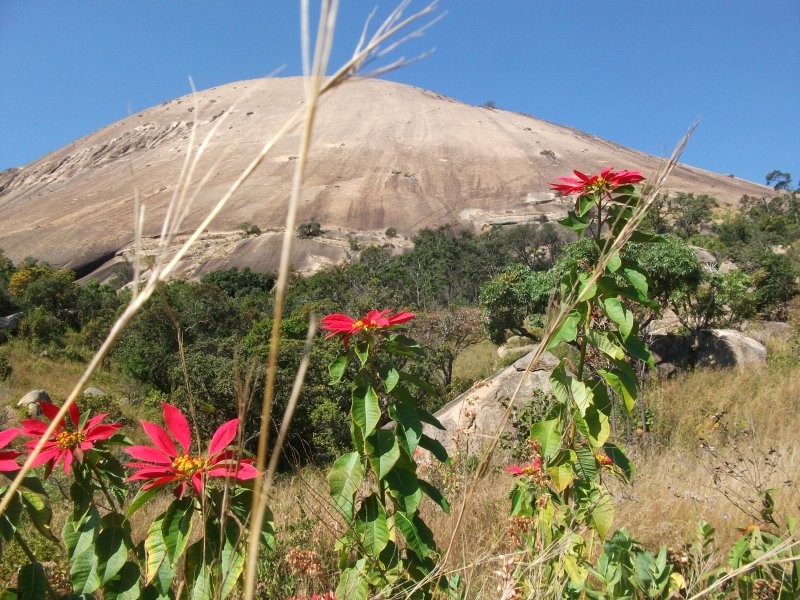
point(387, 547)
point(210, 490)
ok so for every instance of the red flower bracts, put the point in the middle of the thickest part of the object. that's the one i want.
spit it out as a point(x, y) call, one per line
point(8, 457)
point(163, 464)
point(606, 181)
point(65, 444)
point(345, 325)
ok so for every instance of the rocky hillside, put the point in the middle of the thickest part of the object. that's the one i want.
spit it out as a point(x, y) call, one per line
point(385, 155)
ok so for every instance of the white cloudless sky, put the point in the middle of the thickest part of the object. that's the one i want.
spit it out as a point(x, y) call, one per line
point(635, 72)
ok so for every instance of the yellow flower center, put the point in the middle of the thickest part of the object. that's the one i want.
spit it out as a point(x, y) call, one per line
point(358, 324)
point(66, 440)
point(188, 465)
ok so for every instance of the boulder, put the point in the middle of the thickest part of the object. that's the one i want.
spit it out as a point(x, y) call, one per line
point(704, 257)
point(765, 330)
point(478, 411)
point(729, 348)
point(672, 353)
point(10, 322)
point(93, 391)
point(30, 401)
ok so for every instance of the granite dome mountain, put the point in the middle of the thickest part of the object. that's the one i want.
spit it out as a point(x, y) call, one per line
point(385, 155)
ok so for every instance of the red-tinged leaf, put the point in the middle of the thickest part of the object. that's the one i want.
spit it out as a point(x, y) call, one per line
point(149, 454)
point(47, 454)
point(197, 482)
point(34, 427)
point(160, 438)
point(68, 456)
point(178, 425)
point(158, 482)
point(8, 435)
point(223, 436)
point(101, 432)
point(8, 464)
point(94, 421)
point(244, 472)
point(49, 410)
point(74, 414)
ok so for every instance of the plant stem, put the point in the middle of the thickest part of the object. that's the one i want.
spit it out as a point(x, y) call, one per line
point(32, 557)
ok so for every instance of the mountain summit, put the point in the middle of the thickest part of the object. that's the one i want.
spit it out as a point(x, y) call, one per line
point(384, 155)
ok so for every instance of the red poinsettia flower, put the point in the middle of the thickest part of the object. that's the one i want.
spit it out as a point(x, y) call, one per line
point(8, 457)
point(345, 325)
point(163, 464)
point(531, 468)
point(65, 444)
point(606, 181)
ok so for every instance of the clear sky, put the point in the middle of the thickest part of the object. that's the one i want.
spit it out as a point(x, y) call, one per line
point(637, 72)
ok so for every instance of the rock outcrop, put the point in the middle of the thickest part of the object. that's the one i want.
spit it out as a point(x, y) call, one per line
point(478, 412)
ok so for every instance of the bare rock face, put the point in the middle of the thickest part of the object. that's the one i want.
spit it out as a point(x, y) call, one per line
point(384, 155)
point(30, 401)
point(477, 412)
point(729, 348)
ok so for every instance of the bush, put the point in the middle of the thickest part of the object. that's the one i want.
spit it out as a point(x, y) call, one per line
point(41, 326)
point(309, 229)
point(249, 228)
point(5, 368)
point(391, 232)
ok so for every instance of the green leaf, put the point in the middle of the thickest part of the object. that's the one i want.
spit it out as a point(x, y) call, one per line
point(403, 345)
point(125, 586)
point(619, 313)
point(10, 519)
point(574, 222)
point(419, 383)
point(595, 427)
point(39, 512)
point(112, 552)
point(586, 465)
point(641, 236)
point(561, 470)
point(198, 574)
point(390, 376)
point(614, 263)
point(434, 447)
point(637, 279)
point(548, 434)
point(416, 534)
point(352, 584)
point(638, 349)
point(80, 536)
point(371, 526)
point(141, 498)
point(623, 381)
point(365, 410)
point(585, 204)
point(404, 486)
point(176, 527)
point(566, 388)
point(587, 288)
point(605, 342)
point(434, 494)
point(344, 478)
point(83, 570)
point(158, 570)
point(602, 516)
point(361, 348)
point(621, 461)
point(337, 368)
point(428, 418)
point(567, 331)
point(32, 582)
point(382, 451)
point(231, 558)
point(408, 425)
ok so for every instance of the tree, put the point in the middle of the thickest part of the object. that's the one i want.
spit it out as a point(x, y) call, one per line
point(779, 180)
point(446, 333)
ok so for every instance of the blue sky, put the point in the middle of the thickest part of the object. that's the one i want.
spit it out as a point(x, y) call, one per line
point(635, 72)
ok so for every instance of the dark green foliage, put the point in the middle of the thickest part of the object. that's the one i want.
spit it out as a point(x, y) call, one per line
point(239, 283)
point(309, 229)
point(42, 327)
point(5, 368)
